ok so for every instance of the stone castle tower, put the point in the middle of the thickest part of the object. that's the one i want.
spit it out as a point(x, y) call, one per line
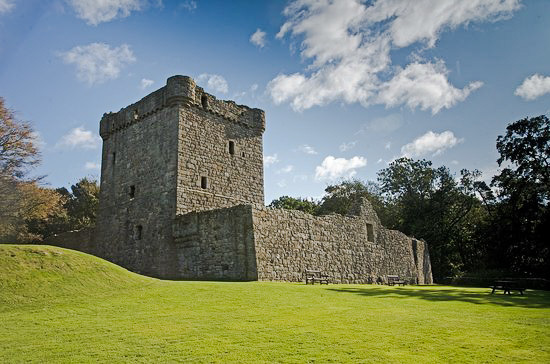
point(177, 150)
point(182, 198)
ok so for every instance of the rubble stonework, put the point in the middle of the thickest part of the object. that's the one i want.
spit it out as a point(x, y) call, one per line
point(182, 197)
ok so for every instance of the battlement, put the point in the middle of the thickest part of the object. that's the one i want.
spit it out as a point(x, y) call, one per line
point(181, 91)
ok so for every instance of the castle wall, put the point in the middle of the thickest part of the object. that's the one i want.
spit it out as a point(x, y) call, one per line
point(289, 242)
point(245, 243)
point(216, 244)
point(234, 174)
point(138, 188)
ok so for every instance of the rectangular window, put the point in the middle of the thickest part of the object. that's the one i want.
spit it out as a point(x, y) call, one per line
point(231, 147)
point(204, 182)
point(132, 191)
point(370, 233)
point(139, 231)
point(114, 158)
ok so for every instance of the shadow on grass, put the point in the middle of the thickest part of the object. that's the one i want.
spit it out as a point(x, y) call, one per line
point(530, 299)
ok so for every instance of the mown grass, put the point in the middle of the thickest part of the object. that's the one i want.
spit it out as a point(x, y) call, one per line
point(57, 305)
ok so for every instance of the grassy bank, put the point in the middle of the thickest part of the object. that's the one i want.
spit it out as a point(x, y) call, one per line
point(58, 305)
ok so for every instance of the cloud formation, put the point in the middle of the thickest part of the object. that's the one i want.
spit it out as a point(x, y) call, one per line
point(95, 12)
point(286, 169)
point(214, 82)
point(334, 168)
point(6, 6)
point(92, 165)
point(348, 44)
point(258, 38)
point(79, 138)
point(347, 146)
point(98, 62)
point(307, 149)
point(270, 159)
point(533, 87)
point(430, 144)
point(146, 83)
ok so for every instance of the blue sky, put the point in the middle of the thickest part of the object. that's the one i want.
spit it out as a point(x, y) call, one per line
point(347, 85)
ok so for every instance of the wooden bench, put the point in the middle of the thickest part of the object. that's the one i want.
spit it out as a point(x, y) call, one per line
point(313, 276)
point(507, 286)
point(395, 280)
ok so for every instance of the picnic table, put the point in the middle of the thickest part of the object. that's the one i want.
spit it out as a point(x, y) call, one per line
point(395, 280)
point(507, 286)
point(313, 276)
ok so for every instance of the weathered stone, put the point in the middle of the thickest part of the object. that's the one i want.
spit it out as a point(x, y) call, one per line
point(182, 197)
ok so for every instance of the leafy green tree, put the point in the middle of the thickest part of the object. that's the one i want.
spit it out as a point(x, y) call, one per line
point(429, 203)
point(521, 222)
point(291, 203)
point(340, 198)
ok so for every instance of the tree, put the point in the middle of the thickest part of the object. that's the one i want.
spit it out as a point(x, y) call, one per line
point(22, 199)
point(18, 151)
point(291, 203)
point(429, 203)
point(522, 218)
point(82, 203)
point(341, 198)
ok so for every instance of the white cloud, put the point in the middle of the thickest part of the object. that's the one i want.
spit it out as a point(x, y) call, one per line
point(347, 146)
point(423, 85)
point(533, 87)
point(95, 12)
point(430, 144)
point(387, 146)
point(270, 159)
point(6, 6)
point(348, 44)
point(334, 168)
point(214, 82)
point(253, 87)
point(98, 62)
point(307, 149)
point(37, 140)
point(258, 38)
point(92, 165)
point(79, 138)
point(146, 83)
point(385, 124)
point(189, 5)
point(282, 183)
point(286, 169)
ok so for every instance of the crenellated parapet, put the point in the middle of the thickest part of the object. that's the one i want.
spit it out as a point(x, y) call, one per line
point(181, 91)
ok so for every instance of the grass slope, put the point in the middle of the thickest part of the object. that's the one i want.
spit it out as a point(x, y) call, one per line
point(58, 305)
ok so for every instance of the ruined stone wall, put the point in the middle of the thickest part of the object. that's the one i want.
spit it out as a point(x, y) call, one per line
point(216, 244)
point(350, 249)
point(80, 240)
point(220, 156)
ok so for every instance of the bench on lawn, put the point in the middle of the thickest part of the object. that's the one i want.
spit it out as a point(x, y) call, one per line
point(313, 276)
point(395, 280)
point(507, 286)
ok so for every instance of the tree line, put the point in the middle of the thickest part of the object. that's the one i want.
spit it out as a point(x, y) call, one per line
point(470, 226)
point(29, 211)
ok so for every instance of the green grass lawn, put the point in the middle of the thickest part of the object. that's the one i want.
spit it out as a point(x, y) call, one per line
point(58, 305)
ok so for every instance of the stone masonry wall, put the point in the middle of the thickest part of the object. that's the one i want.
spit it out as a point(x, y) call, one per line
point(234, 175)
point(138, 193)
point(216, 244)
point(289, 242)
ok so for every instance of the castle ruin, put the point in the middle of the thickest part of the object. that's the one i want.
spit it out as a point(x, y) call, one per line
point(182, 198)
